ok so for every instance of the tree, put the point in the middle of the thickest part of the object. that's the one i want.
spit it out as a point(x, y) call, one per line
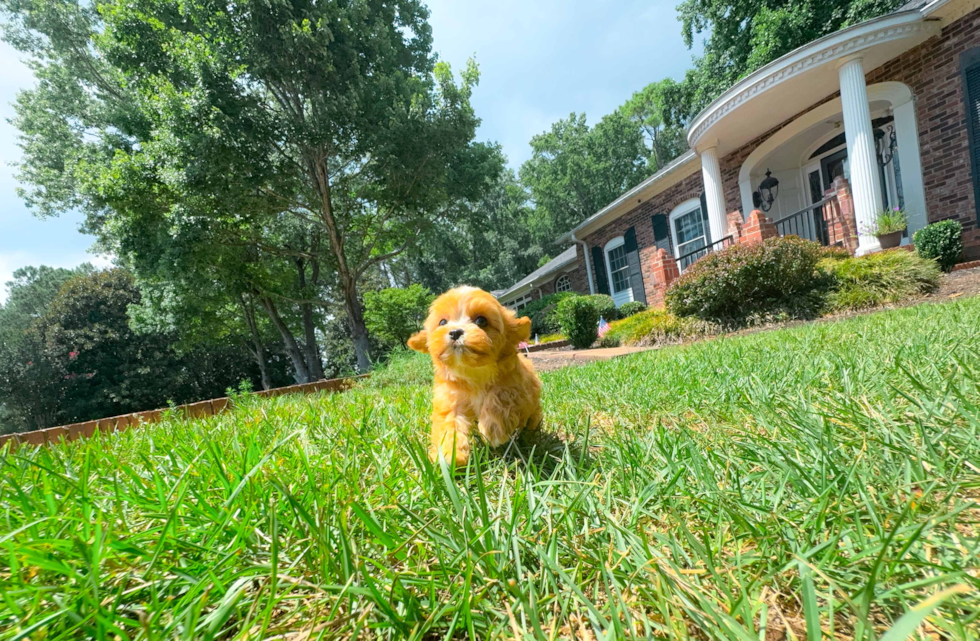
point(647, 108)
point(334, 115)
point(81, 360)
point(394, 314)
point(744, 36)
point(576, 170)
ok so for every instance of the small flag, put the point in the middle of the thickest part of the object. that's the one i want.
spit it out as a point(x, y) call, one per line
point(603, 327)
point(523, 345)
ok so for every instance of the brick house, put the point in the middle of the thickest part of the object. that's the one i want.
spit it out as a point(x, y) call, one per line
point(879, 115)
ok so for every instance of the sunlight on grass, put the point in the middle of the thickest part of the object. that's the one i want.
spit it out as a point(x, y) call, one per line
point(820, 477)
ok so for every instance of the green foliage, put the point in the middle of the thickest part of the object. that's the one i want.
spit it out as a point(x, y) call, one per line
point(889, 222)
point(579, 319)
point(777, 277)
point(543, 313)
point(646, 108)
point(81, 360)
point(658, 327)
point(575, 170)
point(879, 279)
point(404, 368)
point(393, 315)
point(604, 306)
point(942, 242)
point(631, 308)
point(713, 469)
point(609, 341)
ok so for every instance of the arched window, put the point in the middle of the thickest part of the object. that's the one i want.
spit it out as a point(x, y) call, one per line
point(563, 284)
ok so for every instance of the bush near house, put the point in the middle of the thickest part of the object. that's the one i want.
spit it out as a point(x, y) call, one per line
point(604, 305)
point(629, 309)
point(777, 277)
point(579, 320)
point(393, 315)
point(544, 319)
point(658, 327)
point(942, 242)
point(878, 279)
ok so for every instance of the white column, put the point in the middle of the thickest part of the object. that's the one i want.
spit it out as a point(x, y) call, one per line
point(911, 166)
point(861, 155)
point(714, 194)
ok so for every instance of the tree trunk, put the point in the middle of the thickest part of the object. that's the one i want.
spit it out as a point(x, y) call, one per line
point(358, 330)
point(301, 371)
point(310, 347)
point(258, 349)
point(348, 276)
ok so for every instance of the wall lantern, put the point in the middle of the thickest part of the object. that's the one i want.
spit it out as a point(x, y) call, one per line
point(886, 143)
point(768, 191)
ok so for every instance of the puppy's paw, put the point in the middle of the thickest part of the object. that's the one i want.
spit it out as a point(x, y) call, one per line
point(445, 452)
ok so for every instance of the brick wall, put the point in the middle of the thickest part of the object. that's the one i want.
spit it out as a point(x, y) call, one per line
point(640, 218)
point(932, 71)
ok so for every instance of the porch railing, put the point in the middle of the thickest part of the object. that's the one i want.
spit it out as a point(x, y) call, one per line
point(807, 223)
point(686, 260)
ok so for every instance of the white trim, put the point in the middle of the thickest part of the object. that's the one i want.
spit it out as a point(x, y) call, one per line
point(683, 209)
point(841, 44)
point(626, 295)
point(895, 93)
point(568, 280)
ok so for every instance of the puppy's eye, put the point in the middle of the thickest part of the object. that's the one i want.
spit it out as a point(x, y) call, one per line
point(481, 321)
point(442, 322)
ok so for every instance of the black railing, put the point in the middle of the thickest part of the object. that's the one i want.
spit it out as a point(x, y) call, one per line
point(686, 260)
point(807, 223)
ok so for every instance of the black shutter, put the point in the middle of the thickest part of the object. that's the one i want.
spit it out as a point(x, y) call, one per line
point(599, 271)
point(971, 94)
point(661, 231)
point(704, 218)
point(633, 259)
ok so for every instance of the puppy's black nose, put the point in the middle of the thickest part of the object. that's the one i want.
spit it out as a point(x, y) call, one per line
point(455, 334)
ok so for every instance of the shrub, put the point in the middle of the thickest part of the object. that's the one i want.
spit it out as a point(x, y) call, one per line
point(542, 313)
point(604, 305)
point(778, 276)
point(393, 315)
point(629, 309)
point(941, 242)
point(887, 222)
point(579, 320)
point(879, 279)
point(609, 341)
point(658, 326)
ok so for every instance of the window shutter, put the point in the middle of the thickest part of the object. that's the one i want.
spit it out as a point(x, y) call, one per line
point(599, 271)
point(633, 259)
point(704, 217)
point(661, 231)
point(971, 93)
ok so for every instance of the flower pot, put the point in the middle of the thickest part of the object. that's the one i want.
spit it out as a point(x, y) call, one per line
point(889, 241)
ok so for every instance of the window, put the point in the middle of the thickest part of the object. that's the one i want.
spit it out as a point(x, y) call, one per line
point(563, 284)
point(520, 303)
point(971, 95)
point(619, 269)
point(690, 233)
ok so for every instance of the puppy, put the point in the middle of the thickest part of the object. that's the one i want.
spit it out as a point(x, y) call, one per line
point(480, 381)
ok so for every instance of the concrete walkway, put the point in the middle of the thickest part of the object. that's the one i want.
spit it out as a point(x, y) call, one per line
point(554, 359)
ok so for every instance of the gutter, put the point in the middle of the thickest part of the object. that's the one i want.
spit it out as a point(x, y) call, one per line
point(588, 265)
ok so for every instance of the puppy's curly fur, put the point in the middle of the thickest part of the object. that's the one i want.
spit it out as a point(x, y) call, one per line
point(481, 382)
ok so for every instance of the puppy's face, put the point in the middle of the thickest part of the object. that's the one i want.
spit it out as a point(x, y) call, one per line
point(468, 329)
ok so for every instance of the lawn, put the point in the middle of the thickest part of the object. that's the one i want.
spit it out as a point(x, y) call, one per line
point(824, 475)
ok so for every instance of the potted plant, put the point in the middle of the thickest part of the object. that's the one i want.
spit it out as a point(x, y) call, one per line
point(888, 227)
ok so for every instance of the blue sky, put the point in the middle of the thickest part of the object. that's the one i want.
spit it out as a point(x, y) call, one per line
point(539, 61)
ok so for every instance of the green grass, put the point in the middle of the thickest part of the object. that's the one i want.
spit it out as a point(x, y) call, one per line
point(820, 477)
point(882, 278)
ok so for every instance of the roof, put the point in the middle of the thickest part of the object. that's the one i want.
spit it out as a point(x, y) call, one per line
point(679, 168)
point(553, 265)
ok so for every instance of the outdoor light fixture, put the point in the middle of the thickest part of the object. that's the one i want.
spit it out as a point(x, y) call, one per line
point(886, 143)
point(768, 190)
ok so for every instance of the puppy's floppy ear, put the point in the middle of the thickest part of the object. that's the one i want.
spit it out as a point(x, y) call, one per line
point(520, 329)
point(420, 341)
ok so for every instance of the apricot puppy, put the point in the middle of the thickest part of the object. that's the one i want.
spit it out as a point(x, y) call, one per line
point(480, 381)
